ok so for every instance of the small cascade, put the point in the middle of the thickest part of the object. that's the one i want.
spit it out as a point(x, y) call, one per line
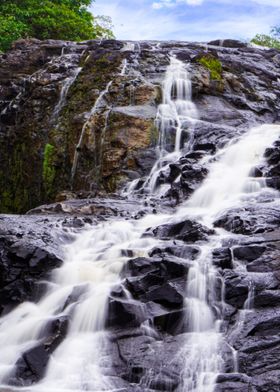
point(99, 104)
point(124, 67)
point(225, 187)
point(102, 145)
point(67, 83)
point(201, 356)
point(175, 115)
point(128, 47)
point(230, 173)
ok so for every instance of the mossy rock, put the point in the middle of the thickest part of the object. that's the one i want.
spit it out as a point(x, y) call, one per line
point(213, 65)
point(49, 170)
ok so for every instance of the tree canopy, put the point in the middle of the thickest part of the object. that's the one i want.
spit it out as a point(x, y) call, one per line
point(270, 41)
point(50, 19)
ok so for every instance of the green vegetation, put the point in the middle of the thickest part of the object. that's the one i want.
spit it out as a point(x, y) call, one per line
point(213, 65)
point(48, 167)
point(50, 19)
point(270, 41)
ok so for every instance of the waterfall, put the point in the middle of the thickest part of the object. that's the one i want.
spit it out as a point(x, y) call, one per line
point(99, 103)
point(175, 115)
point(67, 83)
point(78, 291)
point(230, 172)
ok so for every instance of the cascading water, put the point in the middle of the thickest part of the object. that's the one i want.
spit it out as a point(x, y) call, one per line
point(175, 115)
point(99, 103)
point(67, 83)
point(94, 260)
point(227, 185)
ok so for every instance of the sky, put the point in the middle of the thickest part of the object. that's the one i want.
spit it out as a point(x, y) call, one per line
point(189, 20)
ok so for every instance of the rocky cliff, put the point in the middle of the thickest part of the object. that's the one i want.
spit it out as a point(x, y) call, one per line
point(77, 123)
point(79, 118)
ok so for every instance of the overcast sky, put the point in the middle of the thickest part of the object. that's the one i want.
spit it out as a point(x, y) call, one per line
point(194, 20)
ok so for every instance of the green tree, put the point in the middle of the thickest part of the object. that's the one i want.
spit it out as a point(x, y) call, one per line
point(270, 41)
point(49, 19)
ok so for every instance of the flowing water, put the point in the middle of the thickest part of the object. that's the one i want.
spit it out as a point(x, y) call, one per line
point(93, 262)
point(99, 104)
point(175, 115)
point(67, 83)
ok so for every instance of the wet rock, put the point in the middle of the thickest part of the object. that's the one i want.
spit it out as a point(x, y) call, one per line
point(100, 207)
point(186, 252)
point(228, 43)
point(172, 322)
point(169, 294)
point(272, 155)
point(32, 366)
point(187, 231)
point(250, 220)
point(237, 285)
point(222, 258)
point(267, 327)
point(192, 175)
point(267, 298)
point(145, 359)
point(234, 382)
point(248, 253)
point(273, 182)
point(163, 267)
point(29, 251)
point(125, 313)
point(140, 111)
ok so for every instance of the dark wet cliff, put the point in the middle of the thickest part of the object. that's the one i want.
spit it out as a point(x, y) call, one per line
point(80, 117)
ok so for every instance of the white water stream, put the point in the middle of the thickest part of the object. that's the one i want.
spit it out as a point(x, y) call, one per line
point(99, 104)
point(67, 83)
point(94, 260)
point(176, 111)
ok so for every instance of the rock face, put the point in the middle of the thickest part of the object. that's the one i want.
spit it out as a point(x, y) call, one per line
point(77, 122)
point(80, 117)
point(29, 249)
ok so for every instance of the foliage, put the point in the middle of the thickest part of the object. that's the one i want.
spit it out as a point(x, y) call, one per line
point(266, 40)
point(269, 41)
point(213, 65)
point(50, 19)
point(10, 30)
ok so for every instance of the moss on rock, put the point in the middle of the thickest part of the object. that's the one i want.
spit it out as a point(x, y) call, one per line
point(49, 168)
point(213, 64)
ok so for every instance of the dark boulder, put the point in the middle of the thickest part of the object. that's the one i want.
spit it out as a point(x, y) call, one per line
point(31, 367)
point(23, 265)
point(186, 252)
point(187, 231)
point(228, 43)
point(221, 258)
point(251, 219)
point(248, 253)
point(125, 313)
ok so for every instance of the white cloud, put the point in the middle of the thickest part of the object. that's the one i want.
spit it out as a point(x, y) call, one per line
point(136, 20)
point(273, 3)
point(173, 3)
point(157, 6)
